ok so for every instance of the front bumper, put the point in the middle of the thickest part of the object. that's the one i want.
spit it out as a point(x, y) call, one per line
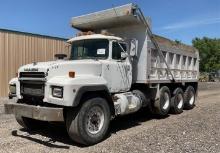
point(35, 112)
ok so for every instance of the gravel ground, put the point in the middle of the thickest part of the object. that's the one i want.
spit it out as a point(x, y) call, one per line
point(209, 85)
point(195, 130)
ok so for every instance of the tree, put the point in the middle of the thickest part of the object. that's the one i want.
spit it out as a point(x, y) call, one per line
point(178, 42)
point(209, 50)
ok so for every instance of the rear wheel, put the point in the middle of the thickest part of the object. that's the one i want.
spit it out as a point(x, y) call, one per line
point(162, 106)
point(189, 98)
point(177, 101)
point(89, 125)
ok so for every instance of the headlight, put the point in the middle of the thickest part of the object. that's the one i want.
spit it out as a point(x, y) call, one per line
point(12, 88)
point(57, 92)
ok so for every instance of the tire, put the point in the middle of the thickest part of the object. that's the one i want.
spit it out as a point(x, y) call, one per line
point(189, 98)
point(85, 125)
point(29, 123)
point(177, 101)
point(162, 106)
point(142, 96)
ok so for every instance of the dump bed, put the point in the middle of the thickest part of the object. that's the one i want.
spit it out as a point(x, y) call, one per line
point(128, 22)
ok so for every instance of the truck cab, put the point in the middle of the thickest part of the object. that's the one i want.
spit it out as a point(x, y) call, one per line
point(112, 52)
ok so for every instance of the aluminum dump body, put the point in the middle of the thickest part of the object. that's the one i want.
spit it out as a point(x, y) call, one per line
point(127, 21)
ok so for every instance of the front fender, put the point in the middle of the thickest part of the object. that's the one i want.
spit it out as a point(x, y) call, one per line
point(88, 88)
point(73, 88)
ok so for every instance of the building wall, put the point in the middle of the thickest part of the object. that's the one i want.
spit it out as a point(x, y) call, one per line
point(17, 48)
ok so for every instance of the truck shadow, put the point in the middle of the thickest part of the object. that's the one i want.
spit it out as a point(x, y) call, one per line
point(56, 133)
point(49, 143)
point(54, 136)
point(132, 120)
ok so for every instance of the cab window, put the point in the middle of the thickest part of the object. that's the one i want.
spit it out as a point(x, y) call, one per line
point(116, 50)
point(90, 49)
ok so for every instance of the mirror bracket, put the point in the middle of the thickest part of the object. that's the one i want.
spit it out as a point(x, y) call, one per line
point(124, 55)
point(133, 47)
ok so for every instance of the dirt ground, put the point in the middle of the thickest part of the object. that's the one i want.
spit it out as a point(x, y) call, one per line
point(196, 130)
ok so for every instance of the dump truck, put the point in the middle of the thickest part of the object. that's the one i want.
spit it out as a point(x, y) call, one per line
point(117, 66)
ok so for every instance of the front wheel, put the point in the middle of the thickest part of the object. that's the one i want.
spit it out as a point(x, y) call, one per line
point(89, 125)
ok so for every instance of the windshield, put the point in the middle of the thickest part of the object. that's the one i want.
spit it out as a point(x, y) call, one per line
point(90, 49)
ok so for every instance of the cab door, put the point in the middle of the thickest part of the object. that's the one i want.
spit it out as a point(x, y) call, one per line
point(119, 72)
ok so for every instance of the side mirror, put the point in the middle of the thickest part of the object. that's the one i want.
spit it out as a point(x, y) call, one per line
point(124, 55)
point(133, 47)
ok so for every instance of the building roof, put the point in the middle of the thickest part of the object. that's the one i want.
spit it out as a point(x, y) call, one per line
point(31, 34)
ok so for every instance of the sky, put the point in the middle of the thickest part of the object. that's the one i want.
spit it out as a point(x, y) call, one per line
point(175, 19)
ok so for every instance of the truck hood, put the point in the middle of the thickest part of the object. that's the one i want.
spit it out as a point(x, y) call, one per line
point(61, 67)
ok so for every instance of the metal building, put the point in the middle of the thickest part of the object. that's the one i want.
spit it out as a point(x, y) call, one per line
point(19, 48)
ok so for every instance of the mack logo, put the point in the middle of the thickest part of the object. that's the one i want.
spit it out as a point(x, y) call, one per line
point(31, 69)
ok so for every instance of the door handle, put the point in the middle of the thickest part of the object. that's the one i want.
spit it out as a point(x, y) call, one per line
point(127, 67)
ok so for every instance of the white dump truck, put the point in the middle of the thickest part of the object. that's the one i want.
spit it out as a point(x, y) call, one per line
point(116, 67)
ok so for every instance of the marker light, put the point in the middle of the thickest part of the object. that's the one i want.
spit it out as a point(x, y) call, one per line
point(72, 74)
point(12, 88)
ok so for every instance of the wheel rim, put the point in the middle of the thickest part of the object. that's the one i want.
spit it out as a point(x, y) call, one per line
point(167, 101)
point(191, 97)
point(179, 101)
point(95, 120)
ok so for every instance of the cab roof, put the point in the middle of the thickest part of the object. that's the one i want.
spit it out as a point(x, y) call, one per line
point(93, 36)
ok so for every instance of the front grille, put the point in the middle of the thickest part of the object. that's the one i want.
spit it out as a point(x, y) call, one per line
point(32, 88)
point(32, 75)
